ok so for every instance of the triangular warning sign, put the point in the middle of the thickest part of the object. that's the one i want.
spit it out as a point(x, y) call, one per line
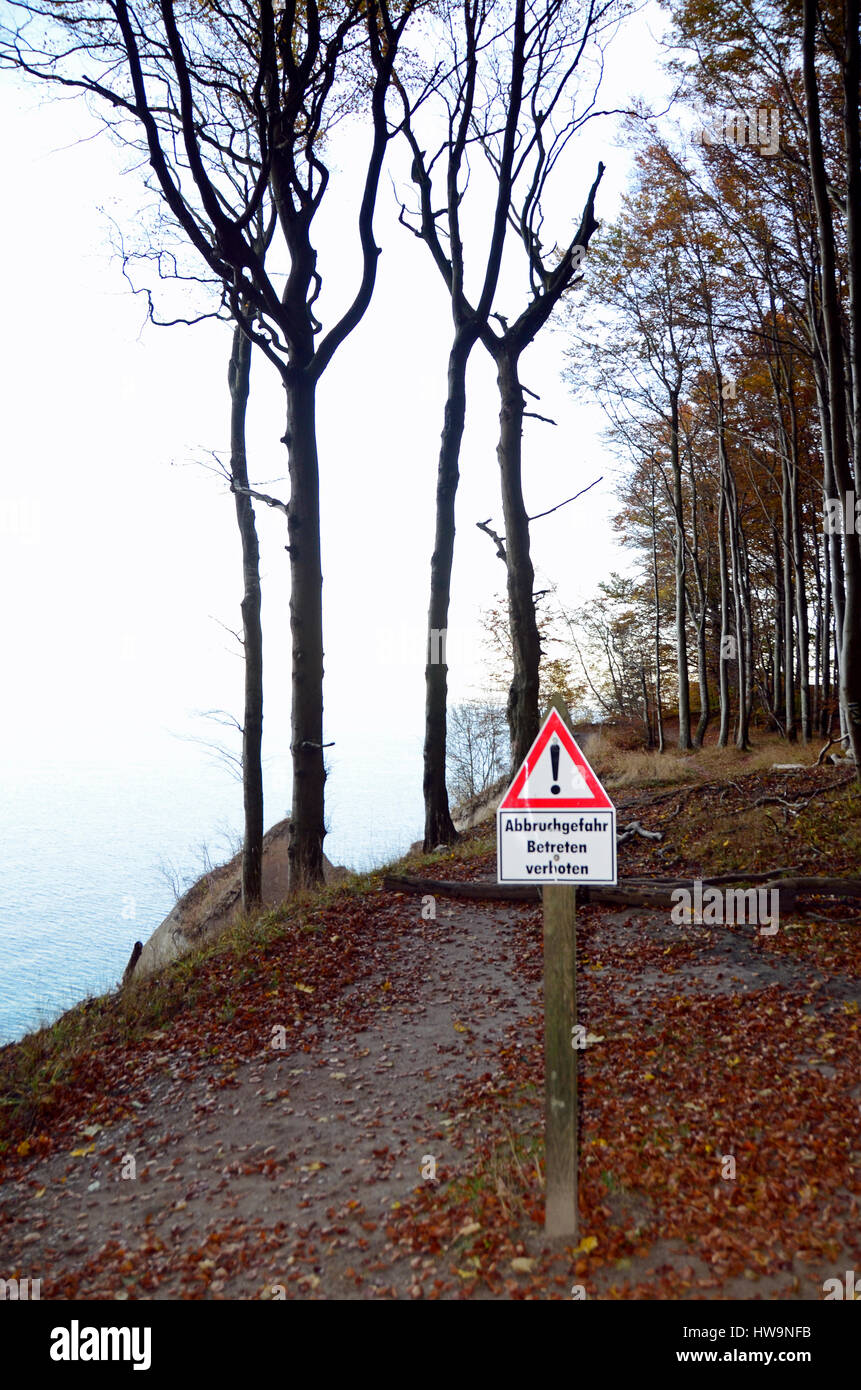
point(555, 775)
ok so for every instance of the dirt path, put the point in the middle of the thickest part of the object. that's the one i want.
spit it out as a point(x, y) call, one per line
point(287, 1174)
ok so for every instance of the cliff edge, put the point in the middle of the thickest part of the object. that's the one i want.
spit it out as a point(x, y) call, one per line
point(213, 903)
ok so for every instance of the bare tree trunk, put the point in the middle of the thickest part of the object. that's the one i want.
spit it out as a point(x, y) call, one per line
point(852, 130)
point(647, 714)
point(798, 572)
point(701, 617)
point(747, 626)
point(523, 712)
point(818, 650)
point(834, 553)
point(778, 627)
point(741, 608)
point(788, 643)
point(680, 568)
point(439, 828)
point(307, 829)
point(239, 378)
point(801, 611)
point(850, 654)
point(705, 701)
point(725, 635)
point(659, 713)
point(825, 711)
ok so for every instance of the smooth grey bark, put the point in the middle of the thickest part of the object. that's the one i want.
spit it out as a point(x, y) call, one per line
point(307, 827)
point(846, 481)
point(439, 827)
point(834, 551)
point(239, 380)
point(790, 730)
point(819, 668)
point(747, 625)
point(679, 550)
point(659, 715)
point(852, 138)
point(701, 619)
point(523, 712)
point(725, 634)
point(803, 635)
point(777, 641)
point(741, 606)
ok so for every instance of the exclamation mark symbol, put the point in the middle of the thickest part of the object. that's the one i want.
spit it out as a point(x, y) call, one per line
point(554, 762)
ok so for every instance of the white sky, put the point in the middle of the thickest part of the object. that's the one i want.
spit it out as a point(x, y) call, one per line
point(117, 554)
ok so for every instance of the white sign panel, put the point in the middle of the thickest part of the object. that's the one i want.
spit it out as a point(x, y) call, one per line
point(556, 823)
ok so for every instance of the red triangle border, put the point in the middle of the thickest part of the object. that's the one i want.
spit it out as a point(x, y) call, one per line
point(514, 801)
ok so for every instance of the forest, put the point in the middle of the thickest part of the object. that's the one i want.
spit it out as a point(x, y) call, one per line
point(716, 318)
point(329, 1085)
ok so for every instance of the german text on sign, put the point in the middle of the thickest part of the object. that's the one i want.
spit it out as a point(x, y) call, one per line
point(556, 823)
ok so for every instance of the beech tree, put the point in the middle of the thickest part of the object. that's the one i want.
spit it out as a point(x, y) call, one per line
point(508, 87)
point(845, 433)
point(474, 36)
point(188, 77)
point(803, 62)
point(158, 250)
point(639, 355)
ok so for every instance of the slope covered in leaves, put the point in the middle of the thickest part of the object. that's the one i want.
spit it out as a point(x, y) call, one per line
point(301, 1169)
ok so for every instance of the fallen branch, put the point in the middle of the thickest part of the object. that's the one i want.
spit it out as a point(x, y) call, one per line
point(767, 875)
point(820, 887)
point(790, 808)
point(635, 828)
point(627, 893)
point(500, 892)
point(841, 738)
point(793, 807)
point(524, 892)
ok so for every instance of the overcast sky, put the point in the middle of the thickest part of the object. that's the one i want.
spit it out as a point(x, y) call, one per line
point(119, 552)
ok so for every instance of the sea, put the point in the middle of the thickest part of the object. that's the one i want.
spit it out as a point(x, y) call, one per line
point(92, 858)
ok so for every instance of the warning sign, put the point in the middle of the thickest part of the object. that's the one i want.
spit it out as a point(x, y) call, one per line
point(556, 823)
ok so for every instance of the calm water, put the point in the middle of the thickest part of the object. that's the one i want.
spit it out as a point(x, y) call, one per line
point(81, 850)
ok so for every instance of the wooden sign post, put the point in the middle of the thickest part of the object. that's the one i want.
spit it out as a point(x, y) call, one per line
point(560, 1059)
point(555, 793)
point(561, 1153)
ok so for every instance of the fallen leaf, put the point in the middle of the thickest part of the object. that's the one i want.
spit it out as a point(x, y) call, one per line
point(587, 1245)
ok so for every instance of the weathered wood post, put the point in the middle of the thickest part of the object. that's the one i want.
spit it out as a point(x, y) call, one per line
point(560, 1054)
point(555, 793)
